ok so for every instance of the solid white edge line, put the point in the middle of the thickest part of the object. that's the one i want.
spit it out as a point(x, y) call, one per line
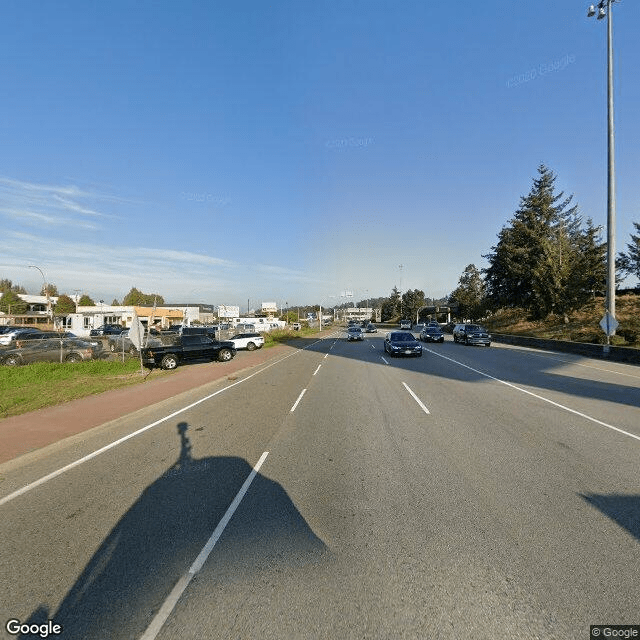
point(76, 463)
point(535, 395)
point(415, 397)
point(295, 404)
point(172, 599)
point(318, 369)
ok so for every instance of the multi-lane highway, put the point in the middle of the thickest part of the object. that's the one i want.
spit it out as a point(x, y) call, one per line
point(337, 492)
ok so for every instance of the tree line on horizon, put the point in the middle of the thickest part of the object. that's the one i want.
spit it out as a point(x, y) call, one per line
point(547, 260)
point(10, 302)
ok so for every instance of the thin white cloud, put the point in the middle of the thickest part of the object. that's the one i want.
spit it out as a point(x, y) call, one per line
point(286, 274)
point(109, 270)
point(37, 218)
point(72, 206)
point(52, 205)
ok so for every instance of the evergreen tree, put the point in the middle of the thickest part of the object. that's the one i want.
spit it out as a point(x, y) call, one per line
point(630, 262)
point(136, 298)
point(470, 294)
point(64, 306)
point(537, 255)
point(589, 268)
point(412, 301)
point(7, 285)
point(49, 287)
point(390, 308)
point(12, 303)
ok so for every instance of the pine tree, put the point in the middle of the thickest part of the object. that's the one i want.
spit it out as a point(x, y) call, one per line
point(11, 303)
point(412, 302)
point(7, 285)
point(64, 306)
point(630, 261)
point(536, 255)
point(135, 297)
point(49, 289)
point(470, 294)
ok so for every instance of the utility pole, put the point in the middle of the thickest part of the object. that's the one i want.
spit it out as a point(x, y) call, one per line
point(400, 267)
point(604, 10)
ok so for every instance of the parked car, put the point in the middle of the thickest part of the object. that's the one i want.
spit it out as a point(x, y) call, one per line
point(55, 335)
point(471, 334)
point(354, 333)
point(296, 326)
point(248, 341)
point(185, 348)
point(201, 330)
point(51, 350)
point(16, 333)
point(405, 324)
point(107, 330)
point(432, 334)
point(402, 343)
point(122, 342)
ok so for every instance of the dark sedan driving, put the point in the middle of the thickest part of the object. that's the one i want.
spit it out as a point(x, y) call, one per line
point(432, 334)
point(402, 343)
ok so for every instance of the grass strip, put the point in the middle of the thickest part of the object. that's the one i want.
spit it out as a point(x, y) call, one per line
point(43, 384)
point(279, 336)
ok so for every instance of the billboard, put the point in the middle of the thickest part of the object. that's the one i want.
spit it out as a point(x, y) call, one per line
point(269, 307)
point(226, 311)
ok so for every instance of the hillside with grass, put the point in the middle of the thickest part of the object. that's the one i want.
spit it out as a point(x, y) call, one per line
point(583, 324)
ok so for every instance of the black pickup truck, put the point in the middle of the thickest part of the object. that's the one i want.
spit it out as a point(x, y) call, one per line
point(185, 348)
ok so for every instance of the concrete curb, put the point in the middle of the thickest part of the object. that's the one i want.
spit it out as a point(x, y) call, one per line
point(615, 354)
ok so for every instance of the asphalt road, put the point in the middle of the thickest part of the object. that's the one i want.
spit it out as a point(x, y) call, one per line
point(470, 493)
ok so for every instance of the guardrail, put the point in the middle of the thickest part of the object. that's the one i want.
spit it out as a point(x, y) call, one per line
point(615, 354)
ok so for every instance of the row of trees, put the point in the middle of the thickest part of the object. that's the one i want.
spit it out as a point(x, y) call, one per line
point(547, 259)
point(10, 302)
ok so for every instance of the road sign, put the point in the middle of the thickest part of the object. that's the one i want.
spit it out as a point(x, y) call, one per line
point(136, 332)
point(609, 324)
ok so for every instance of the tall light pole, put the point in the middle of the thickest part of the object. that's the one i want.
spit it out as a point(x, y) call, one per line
point(604, 10)
point(45, 287)
point(400, 267)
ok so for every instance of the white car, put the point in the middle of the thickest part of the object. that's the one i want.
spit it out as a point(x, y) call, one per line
point(248, 341)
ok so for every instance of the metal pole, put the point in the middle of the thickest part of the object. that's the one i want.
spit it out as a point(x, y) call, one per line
point(46, 289)
point(611, 196)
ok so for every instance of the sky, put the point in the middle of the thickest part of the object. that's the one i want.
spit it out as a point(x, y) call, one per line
point(243, 152)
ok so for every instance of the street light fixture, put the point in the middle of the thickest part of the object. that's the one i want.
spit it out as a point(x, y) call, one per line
point(604, 10)
point(46, 289)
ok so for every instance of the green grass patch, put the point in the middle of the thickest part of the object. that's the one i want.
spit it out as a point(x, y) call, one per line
point(279, 336)
point(43, 384)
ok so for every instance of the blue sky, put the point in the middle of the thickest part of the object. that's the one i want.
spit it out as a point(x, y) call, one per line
point(289, 151)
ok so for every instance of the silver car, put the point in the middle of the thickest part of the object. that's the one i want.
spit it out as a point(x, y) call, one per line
point(354, 333)
point(51, 350)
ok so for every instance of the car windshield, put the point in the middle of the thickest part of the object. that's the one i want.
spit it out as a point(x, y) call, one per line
point(402, 337)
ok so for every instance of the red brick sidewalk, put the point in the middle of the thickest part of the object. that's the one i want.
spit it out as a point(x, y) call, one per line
point(24, 433)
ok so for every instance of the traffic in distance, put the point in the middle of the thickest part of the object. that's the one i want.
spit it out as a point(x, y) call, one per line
point(167, 349)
